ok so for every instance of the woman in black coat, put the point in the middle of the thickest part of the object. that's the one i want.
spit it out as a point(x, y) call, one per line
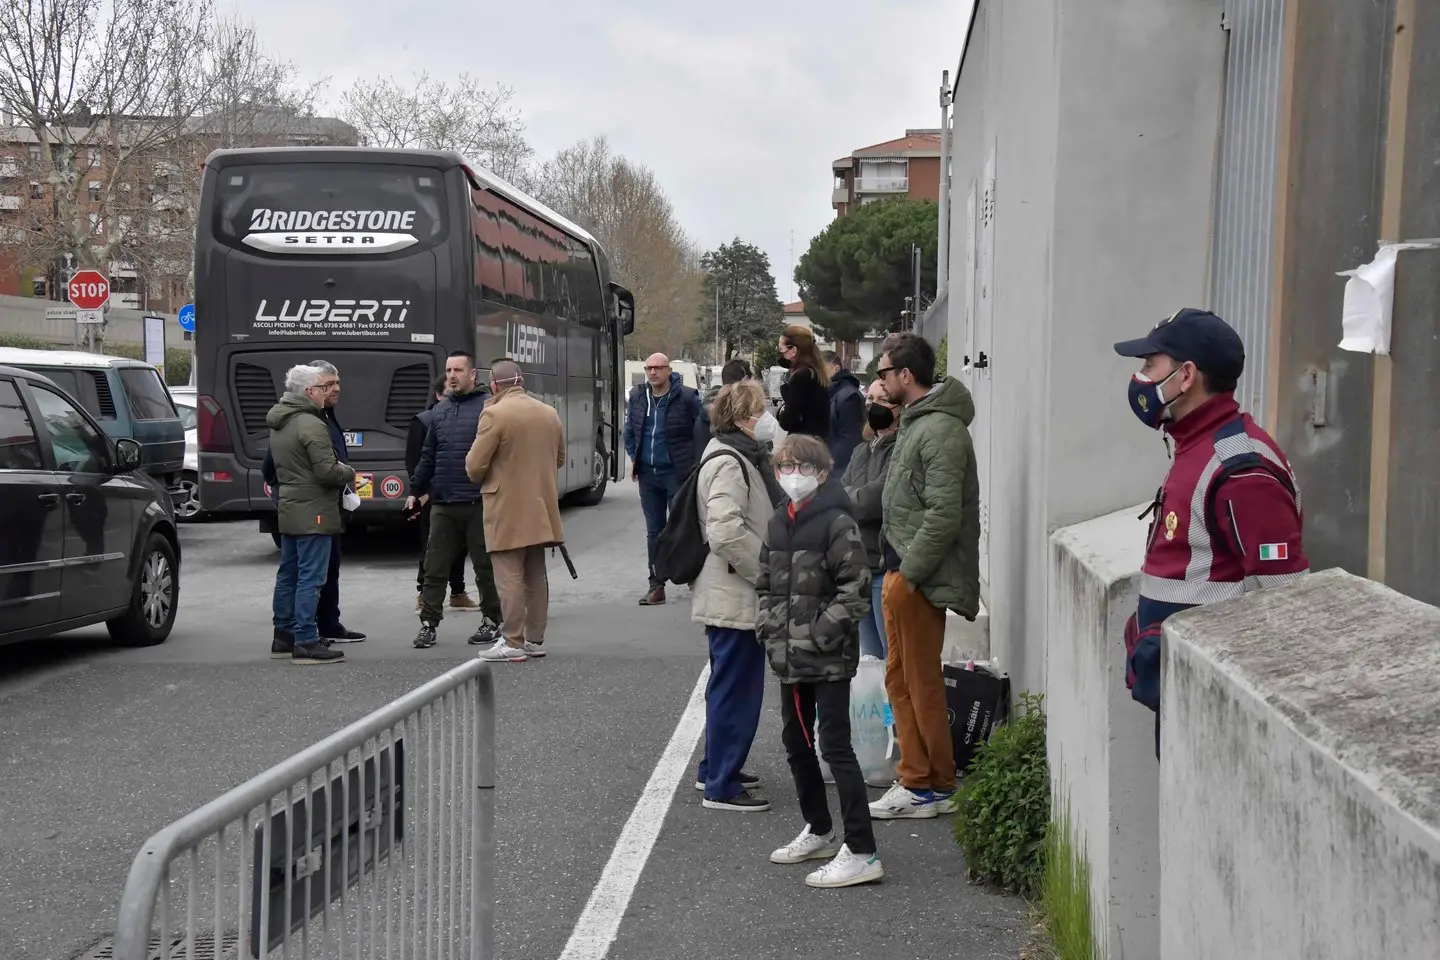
point(805, 394)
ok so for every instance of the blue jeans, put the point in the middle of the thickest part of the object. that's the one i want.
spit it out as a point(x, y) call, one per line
point(304, 564)
point(872, 626)
point(657, 489)
point(733, 697)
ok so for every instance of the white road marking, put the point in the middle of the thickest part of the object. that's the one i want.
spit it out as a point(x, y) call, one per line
point(599, 923)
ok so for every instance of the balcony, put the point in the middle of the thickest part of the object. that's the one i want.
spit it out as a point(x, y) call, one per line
point(882, 184)
point(9, 168)
point(840, 195)
point(10, 203)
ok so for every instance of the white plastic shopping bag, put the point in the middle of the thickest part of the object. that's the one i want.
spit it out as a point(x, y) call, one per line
point(872, 726)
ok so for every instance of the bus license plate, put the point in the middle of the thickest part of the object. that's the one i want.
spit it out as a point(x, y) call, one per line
point(354, 438)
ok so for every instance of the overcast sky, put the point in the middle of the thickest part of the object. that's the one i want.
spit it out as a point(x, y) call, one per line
point(739, 108)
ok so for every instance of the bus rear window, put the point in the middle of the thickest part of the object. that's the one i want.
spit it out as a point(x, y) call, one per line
point(329, 209)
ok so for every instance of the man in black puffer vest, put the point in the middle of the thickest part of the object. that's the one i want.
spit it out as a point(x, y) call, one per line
point(457, 522)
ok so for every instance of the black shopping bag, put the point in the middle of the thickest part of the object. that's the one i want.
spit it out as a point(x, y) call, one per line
point(977, 701)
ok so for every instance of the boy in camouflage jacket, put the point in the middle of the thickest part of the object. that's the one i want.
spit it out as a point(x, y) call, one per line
point(814, 589)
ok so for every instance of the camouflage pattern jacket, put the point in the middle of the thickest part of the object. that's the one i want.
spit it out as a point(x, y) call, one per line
point(814, 589)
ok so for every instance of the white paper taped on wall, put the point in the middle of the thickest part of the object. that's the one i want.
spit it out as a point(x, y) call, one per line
point(1369, 298)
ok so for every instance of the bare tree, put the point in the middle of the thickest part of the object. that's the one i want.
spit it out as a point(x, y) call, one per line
point(468, 117)
point(624, 206)
point(111, 105)
point(93, 88)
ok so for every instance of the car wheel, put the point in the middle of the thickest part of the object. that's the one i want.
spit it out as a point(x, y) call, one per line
point(600, 479)
point(154, 599)
point(187, 502)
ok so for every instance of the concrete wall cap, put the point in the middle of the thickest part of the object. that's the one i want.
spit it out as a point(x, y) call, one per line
point(1353, 665)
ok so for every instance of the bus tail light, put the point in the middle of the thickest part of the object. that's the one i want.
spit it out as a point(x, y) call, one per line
point(212, 429)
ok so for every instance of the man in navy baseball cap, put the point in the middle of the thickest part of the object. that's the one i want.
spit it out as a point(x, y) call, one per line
point(1227, 518)
point(1209, 346)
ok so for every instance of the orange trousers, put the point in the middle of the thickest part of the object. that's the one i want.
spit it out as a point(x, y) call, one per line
point(915, 636)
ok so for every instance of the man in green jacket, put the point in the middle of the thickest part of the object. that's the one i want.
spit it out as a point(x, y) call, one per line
point(311, 479)
point(930, 538)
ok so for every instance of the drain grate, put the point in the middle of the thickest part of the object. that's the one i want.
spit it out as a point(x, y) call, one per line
point(205, 948)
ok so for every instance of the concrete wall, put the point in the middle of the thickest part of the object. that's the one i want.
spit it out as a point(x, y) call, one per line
point(1102, 198)
point(25, 316)
point(1300, 776)
point(1101, 742)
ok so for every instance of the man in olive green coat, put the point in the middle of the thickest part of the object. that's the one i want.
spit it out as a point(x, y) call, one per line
point(930, 539)
point(308, 508)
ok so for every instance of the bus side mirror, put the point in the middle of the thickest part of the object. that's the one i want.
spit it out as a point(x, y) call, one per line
point(623, 308)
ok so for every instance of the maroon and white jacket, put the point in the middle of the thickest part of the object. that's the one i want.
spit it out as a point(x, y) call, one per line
point(1227, 520)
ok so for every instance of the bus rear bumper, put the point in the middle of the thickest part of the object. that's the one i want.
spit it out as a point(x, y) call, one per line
point(231, 488)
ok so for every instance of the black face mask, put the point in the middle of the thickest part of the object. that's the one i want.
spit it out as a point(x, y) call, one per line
point(879, 418)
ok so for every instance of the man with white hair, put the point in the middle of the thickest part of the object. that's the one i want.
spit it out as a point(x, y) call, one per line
point(310, 480)
point(327, 616)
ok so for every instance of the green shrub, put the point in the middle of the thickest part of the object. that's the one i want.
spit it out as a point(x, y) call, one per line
point(1004, 804)
point(1065, 891)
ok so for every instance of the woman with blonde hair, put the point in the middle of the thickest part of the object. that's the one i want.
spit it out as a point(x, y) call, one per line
point(805, 394)
point(736, 493)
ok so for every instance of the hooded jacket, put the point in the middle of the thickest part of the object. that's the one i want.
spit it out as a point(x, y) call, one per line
point(454, 422)
point(931, 501)
point(847, 418)
point(309, 475)
point(734, 508)
point(865, 483)
point(814, 589)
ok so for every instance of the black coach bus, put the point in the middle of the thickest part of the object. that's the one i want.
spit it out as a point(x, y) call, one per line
point(382, 262)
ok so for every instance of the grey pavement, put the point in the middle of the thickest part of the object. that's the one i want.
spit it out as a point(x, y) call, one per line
point(107, 746)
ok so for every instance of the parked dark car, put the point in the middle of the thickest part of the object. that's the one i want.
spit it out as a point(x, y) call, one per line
point(126, 397)
point(88, 536)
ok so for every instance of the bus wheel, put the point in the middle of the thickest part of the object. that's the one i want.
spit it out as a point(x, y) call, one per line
point(599, 479)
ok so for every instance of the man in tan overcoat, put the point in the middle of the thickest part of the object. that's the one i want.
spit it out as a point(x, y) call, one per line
point(519, 446)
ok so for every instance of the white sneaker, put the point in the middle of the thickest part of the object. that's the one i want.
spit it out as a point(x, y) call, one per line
point(807, 846)
point(534, 650)
point(847, 869)
point(902, 803)
point(947, 802)
point(502, 652)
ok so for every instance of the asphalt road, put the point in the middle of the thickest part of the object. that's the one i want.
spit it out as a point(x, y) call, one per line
point(107, 746)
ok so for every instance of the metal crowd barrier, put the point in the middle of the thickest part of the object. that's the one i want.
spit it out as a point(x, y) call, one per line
point(377, 842)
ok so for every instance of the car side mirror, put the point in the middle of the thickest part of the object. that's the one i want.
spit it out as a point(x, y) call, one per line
point(127, 454)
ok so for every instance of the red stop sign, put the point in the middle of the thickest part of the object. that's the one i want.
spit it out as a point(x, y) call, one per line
point(89, 289)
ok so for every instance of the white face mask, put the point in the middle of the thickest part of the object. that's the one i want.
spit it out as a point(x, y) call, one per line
point(765, 427)
point(799, 487)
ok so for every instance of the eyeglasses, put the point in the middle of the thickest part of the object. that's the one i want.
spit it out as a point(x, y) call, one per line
point(653, 369)
point(787, 468)
point(881, 372)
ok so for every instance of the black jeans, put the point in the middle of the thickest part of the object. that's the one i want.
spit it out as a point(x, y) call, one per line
point(327, 612)
point(456, 529)
point(799, 703)
point(457, 570)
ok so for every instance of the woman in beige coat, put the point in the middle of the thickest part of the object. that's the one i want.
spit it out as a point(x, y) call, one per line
point(736, 495)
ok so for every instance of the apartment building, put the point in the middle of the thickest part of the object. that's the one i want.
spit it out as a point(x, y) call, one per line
point(148, 202)
point(907, 166)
